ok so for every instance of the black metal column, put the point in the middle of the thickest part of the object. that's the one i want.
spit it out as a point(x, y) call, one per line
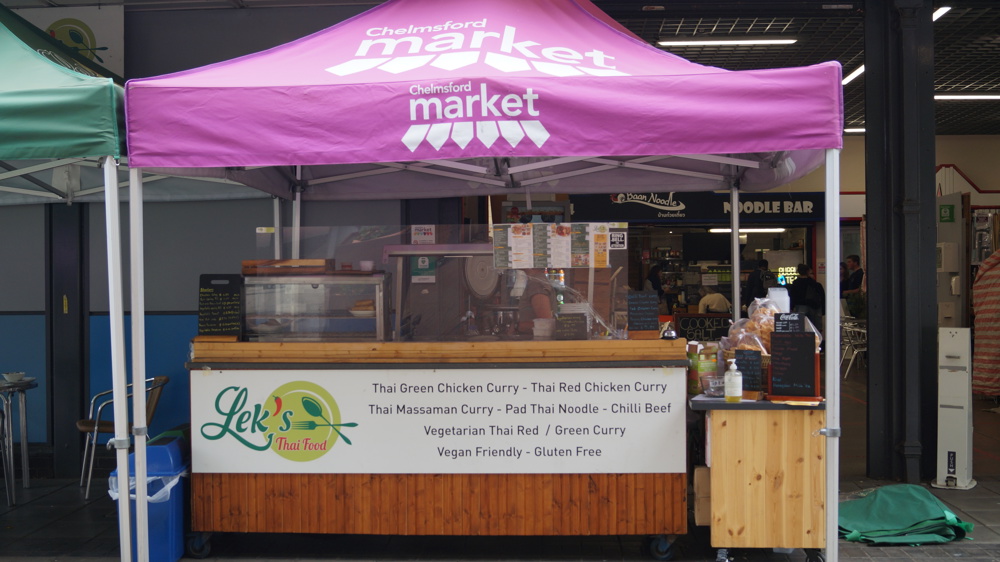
point(901, 238)
point(67, 332)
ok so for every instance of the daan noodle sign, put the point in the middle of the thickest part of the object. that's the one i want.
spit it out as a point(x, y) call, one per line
point(413, 421)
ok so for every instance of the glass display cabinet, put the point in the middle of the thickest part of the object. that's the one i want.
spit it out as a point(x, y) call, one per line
point(341, 306)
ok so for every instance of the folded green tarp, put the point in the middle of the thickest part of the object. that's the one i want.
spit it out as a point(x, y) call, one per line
point(902, 514)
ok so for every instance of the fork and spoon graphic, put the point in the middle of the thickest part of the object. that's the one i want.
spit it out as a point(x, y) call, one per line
point(313, 408)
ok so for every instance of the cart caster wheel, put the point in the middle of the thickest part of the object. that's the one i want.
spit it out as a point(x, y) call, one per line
point(660, 547)
point(814, 555)
point(198, 545)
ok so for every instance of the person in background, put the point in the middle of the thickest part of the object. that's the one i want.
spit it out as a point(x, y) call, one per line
point(754, 289)
point(807, 296)
point(537, 301)
point(844, 274)
point(654, 282)
point(856, 278)
point(712, 301)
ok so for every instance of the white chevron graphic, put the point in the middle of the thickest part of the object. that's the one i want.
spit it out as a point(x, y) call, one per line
point(487, 132)
point(459, 60)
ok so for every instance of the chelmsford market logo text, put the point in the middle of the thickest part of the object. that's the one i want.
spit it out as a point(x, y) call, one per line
point(467, 111)
point(299, 421)
point(654, 200)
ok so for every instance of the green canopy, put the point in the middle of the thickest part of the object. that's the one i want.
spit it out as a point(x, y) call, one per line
point(50, 111)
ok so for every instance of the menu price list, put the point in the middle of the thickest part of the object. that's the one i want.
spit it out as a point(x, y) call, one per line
point(556, 420)
point(499, 418)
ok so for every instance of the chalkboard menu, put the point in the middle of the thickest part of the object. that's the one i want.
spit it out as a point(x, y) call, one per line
point(220, 298)
point(702, 327)
point(748, 361)
point(643, 311)
point(789, 322)
point(794, 367)
point(571, 327)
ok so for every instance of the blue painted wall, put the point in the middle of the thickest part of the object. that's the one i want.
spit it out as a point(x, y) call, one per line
point(20, 335)
point(168, 344)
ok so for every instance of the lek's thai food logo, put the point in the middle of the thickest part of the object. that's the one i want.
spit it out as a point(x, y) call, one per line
point(442, 110)
point(299, 421)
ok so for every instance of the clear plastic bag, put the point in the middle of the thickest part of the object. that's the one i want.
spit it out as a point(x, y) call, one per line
point(157, 487)
point(749, 340)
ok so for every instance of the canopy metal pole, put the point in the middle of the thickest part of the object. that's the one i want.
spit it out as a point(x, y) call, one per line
point(297, 216)
point(832, 346)
point(735, 256)
point(118, 373)
point(277, 228)
point(139, 429)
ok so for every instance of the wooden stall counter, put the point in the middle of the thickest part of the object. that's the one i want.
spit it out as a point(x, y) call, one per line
point(451, 438)
point(769, 490)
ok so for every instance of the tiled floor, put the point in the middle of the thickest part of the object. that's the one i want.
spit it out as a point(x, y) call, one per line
point(54, 522)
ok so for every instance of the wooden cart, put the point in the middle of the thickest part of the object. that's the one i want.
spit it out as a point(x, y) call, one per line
point(639, 503)
point(769, 491)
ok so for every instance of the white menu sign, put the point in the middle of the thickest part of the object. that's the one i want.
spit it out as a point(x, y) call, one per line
point(439, 421)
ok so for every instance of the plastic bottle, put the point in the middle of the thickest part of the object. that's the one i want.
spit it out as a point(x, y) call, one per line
point(562, 277)
point(734, 383)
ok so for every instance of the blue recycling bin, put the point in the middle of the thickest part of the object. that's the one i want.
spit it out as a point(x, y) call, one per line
point(167, 464)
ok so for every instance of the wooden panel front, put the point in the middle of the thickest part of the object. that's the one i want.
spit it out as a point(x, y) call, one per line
point(768, 478)
point(216, 350)
point(440, 504)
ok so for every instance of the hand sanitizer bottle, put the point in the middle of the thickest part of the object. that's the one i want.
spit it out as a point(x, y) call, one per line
point(733, 383)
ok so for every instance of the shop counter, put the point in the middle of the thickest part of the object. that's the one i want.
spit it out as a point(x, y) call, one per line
point(769, 481)
point(439, 438)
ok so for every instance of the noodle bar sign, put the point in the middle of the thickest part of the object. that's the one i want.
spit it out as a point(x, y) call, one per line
point(698, 206)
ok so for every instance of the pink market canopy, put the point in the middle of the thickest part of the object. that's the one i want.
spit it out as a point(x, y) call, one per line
point(451, 97)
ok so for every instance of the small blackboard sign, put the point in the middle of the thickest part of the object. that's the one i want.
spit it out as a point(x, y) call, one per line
point(220, 305)
point(643, 311)
point(794, 367)
point(571, 327)
point(702, 327)
point(789, 322)
point(748, 361)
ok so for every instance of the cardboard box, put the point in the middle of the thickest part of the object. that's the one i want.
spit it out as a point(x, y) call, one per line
point(702, 495)
point(703, 511)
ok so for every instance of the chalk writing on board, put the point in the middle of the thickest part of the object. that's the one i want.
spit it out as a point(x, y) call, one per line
point(789, 322)
point(571, 327)
point(702, 327)
point(748, 361)
point(643, 310)
point(220, 304)
point(793, 365)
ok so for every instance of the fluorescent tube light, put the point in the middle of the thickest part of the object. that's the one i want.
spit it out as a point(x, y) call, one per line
point(857, 72)
point(742, 230)
point(940, 12)
point(722, 41)
point(857, 130)
point(967, 97)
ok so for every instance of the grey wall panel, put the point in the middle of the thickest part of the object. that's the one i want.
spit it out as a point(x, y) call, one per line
point(163, 42)
point(182, 241)
point(22, 251)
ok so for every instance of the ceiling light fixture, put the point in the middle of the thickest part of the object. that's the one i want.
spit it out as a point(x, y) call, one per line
point(861, 69)
point(967, 97)
point(742, 230)
point(855, 130)
point(725, 41)
point(857, 72)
